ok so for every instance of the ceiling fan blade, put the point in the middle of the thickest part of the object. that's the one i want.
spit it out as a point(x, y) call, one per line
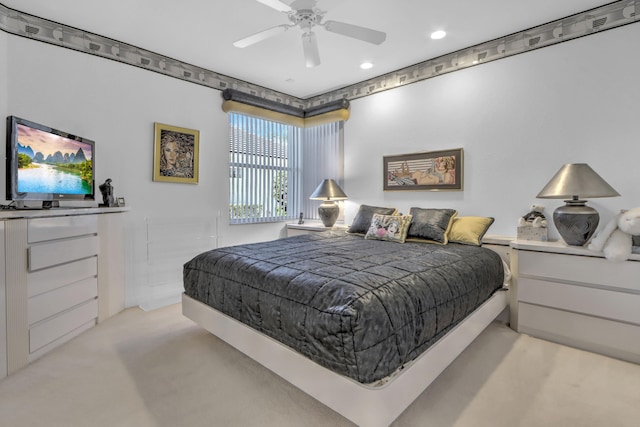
point(276, 4)
point(310, 47)
point(355, 31)
point(262, 35)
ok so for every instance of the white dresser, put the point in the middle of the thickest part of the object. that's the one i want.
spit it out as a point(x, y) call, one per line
point(576, 297)
point(3, 308)
point(63, 271)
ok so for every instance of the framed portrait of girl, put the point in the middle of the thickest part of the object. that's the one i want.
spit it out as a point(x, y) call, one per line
point(175, 154)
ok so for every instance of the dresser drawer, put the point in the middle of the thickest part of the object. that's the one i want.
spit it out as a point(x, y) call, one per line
point(48, 254)
point(52, 278)
point(604, 303)
point(54, 328)
point(42, 229)
point(50, 303)
point(583, 269)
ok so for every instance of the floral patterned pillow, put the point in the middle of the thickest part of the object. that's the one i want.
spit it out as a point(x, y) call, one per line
point(363, 218)
point(392, 228)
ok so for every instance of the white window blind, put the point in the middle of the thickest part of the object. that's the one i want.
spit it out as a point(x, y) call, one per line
point(322, 158)
point(275, 167)
point(264, 177)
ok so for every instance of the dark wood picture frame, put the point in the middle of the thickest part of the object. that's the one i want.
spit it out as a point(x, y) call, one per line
point(426, 171)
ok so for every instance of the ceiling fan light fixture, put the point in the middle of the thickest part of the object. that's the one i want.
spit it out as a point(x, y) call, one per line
point(310, 49)
point(437, 35)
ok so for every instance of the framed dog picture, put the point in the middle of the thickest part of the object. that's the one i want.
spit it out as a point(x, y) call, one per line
point(175, 154)
point(427, 171)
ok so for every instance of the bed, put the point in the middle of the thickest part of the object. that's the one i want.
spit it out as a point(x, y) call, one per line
point(362, 325)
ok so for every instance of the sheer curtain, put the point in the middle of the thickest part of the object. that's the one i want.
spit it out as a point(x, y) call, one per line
point(322, 158)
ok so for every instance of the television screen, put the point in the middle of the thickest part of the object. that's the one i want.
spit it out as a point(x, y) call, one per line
point(47, 164)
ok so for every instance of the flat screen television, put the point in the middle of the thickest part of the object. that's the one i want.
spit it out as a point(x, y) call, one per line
point(47, 165)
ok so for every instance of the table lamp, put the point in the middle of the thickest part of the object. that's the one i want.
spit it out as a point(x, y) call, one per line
point(328, 191)
point(575, 221)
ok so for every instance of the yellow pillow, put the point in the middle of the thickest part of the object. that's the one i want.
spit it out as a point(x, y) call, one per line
point(469, 230)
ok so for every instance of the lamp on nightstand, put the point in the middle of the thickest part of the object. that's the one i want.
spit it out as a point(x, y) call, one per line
point(328, 191)
point(575, 221)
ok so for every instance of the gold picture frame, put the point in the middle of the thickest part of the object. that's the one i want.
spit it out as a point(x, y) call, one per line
point(427, 171)
point(175, 154)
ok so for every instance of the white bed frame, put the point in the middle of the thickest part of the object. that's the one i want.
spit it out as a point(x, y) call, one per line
point(365, 406)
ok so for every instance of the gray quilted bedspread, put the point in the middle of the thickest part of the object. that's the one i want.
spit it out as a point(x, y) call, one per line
point(362, 308)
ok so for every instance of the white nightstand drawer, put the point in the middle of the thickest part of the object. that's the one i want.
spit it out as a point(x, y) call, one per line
point(603, 336)
point(596, 302)
point(598, 271)
point(297, 232)
point(42, 229)
point(312, 227)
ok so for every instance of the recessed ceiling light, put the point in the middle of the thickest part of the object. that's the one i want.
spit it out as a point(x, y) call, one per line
point(437, 35)
point(366, 65)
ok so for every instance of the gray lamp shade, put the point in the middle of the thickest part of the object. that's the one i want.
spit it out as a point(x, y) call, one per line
point(579, 180)
point(575, 221)
point(328, 191)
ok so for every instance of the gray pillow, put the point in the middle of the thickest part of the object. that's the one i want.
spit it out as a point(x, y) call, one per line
point(362, 220)
point(430, 224)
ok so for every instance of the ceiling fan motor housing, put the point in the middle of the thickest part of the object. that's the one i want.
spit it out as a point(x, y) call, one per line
point(306, 18)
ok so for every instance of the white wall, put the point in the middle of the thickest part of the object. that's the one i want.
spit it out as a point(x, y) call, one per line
point(116, 105)
point(3, 98)
point(519, 120)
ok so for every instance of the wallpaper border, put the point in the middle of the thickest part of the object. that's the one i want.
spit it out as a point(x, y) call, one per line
point(602, 18)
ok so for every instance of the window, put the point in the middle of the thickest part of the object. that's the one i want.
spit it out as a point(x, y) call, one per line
point(274, 167)
point(263, 162)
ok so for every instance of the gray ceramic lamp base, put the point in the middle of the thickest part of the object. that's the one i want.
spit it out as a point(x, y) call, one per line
point(328, 212)
point(576, 223)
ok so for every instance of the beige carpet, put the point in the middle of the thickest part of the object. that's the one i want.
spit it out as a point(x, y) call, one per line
point(159, 369)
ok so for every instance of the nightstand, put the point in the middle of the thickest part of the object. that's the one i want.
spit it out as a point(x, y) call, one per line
point(295, 229)
point(574, 296)
point(499, 244)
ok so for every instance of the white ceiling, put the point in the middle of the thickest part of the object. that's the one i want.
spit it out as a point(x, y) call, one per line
point(201, 32)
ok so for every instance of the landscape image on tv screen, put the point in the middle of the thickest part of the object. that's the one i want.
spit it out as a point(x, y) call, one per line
point(49, 163)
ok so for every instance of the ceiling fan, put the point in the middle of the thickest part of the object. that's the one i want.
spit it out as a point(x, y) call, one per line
point(305, 15)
